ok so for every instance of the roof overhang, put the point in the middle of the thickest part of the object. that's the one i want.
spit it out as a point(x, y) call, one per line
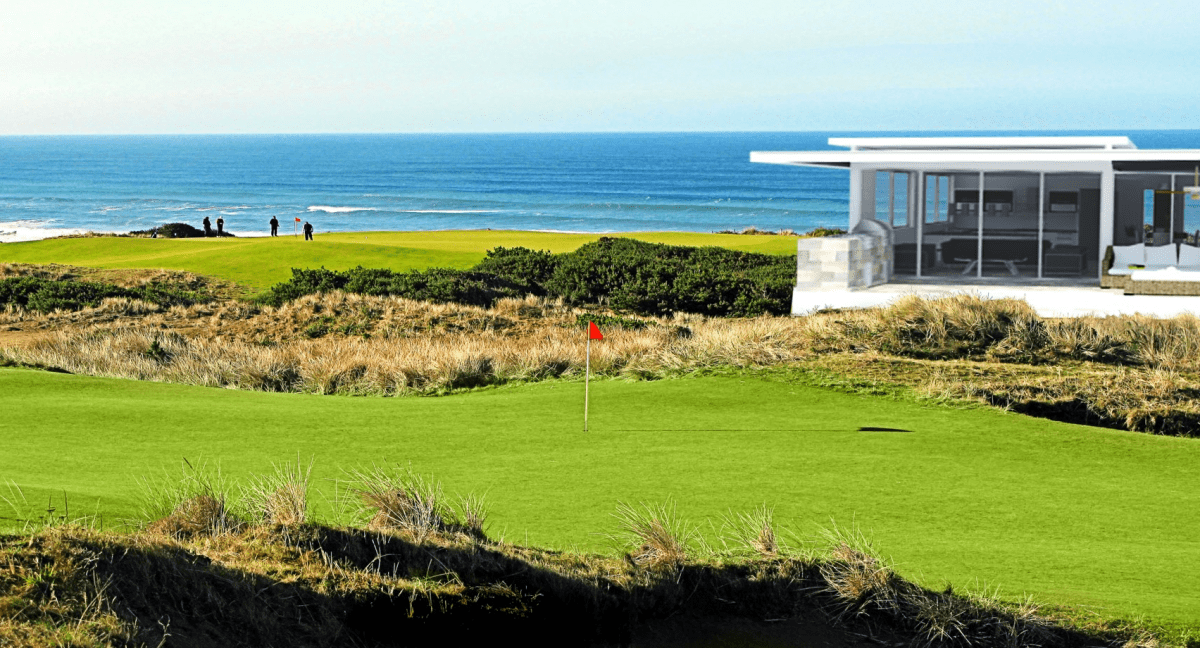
point(1047, 154)
point(983, 143)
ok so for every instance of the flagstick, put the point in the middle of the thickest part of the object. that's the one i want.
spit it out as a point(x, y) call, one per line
point(587, 375)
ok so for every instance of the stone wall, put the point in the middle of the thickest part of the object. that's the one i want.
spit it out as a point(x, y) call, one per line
point(860, 259)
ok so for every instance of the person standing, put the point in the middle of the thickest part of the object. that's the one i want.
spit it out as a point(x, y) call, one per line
point(307, 231)
point(274, 226)
point(220, 226)
point(207, 227)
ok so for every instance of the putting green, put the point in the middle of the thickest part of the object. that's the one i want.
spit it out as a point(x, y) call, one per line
point(1070, 514)
point(260, 262)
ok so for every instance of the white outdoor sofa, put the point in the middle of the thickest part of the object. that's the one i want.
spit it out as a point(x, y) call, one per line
point(1160, 270)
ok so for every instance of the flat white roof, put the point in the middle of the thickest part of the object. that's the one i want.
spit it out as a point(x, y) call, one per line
point(982, 143)
point(1061, 154)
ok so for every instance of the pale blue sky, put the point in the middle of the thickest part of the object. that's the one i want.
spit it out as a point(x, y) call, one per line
point(212, 66)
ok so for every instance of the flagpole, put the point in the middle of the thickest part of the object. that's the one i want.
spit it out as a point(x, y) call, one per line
point(587, 376)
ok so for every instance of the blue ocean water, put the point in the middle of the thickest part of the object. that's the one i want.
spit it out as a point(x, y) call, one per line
point(617, 182)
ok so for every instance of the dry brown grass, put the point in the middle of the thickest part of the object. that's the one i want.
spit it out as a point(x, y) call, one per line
point(417, 348)
point(194, 503)
point(654, 536)
point(281, 496)
point(857, 579)
point(754, 530)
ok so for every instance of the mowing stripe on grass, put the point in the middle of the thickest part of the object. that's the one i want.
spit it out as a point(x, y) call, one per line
point(1069, 513)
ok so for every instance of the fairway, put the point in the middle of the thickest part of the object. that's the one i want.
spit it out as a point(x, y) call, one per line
point(1067, 513)
point(259, 262)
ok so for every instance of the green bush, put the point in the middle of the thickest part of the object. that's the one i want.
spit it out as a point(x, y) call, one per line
point(654, 279)
point(604, 321)
point(439, 285)
point(527, 269)
point(47, 295)
point(172, 230)
point(624, 274)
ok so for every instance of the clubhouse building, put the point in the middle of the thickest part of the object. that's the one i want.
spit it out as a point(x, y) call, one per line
point(1005, 211)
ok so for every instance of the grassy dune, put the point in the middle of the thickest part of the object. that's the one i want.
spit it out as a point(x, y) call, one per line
point(259, 262)
point(1070, 514)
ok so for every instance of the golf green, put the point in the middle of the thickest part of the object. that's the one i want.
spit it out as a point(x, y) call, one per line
point(262, 261)
point(974, 497)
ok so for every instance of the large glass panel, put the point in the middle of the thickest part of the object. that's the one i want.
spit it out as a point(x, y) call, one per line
point(901, 200)
point(1191, 212)
point(937, 198)
point(1072, 225)
point(1010, 224)
point(883, 192)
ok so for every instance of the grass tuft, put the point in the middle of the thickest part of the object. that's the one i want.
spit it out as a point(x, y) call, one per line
point(197, 503)
point(858, 580)
point(654, 535)
point(754, 530)
point(401, 499)
point(281, 496)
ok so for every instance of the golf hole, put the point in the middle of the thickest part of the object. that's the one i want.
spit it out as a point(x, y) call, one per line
point(882, 429)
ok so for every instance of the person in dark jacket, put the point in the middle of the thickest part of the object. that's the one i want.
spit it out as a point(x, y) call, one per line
point(220, 226)
point(274, 226)
point(207, 226)
point(307, 231)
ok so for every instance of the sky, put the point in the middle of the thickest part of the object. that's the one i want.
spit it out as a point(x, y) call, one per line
point(361, 66)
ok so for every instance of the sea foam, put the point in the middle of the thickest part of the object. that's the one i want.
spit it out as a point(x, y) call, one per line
point(338, 210)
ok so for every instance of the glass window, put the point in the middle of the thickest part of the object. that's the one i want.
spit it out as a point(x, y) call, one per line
point(883, 191)
point(901, 200)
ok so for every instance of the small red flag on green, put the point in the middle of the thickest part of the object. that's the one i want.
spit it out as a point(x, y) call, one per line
point(594, 332)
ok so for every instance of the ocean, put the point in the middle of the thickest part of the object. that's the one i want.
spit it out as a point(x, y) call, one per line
point(619, 182)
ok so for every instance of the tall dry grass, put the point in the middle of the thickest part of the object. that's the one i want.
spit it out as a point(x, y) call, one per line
point(427, 350)
point(654, 535)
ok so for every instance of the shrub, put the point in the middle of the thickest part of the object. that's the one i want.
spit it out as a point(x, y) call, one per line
point(47, 295)
point(654, 279)
point(611, 321)
point(438, 285)
point(628, 275)
point(527, 269)
point(172, 230)
point(824, 231)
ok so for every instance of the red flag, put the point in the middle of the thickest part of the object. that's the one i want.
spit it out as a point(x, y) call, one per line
point(594, 332)
point(297, 220)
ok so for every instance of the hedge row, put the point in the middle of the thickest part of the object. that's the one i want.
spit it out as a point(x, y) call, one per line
point(624, 274)
point(47, 295)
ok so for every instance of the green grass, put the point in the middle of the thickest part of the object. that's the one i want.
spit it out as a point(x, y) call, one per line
point(257, 263)
point(1071, 514)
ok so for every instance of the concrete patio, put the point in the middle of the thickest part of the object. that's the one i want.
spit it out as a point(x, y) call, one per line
point(1049, 299)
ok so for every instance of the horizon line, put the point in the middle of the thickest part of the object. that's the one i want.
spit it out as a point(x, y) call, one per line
point(604, 132)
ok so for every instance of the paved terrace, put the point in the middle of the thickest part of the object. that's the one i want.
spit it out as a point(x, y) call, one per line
point(1048, 298)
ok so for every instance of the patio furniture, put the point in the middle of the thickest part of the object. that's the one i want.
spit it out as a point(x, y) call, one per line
point(1161, 256)
point(1180, 278)
point(1164, 281)
point(1008, 251)
point(1115, 268)
point(1064, 260)
point(906, 257)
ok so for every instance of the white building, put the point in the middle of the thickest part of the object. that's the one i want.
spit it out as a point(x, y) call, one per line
point(994, 211)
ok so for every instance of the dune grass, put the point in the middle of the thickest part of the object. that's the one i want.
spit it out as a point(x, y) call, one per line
point(1070, 514)
point(257, 263)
